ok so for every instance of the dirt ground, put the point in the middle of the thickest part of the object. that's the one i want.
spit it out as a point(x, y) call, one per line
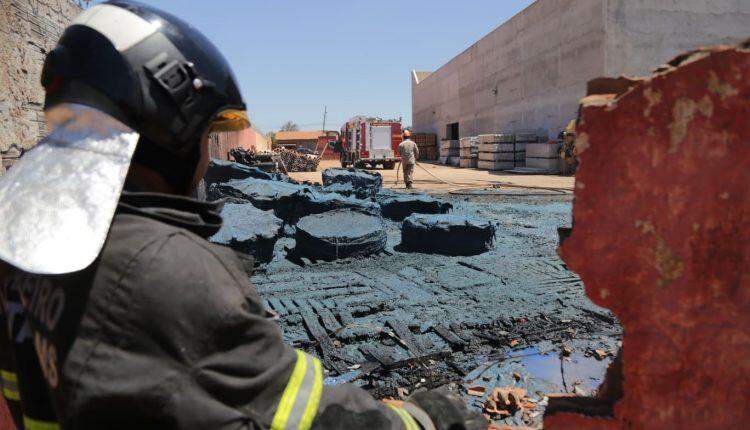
point(457, 178)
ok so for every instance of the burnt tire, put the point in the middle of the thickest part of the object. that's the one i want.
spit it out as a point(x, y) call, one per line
point(340, 234)
point(398, 206)
point(446, 234)
point(249, 230)
point(279, 197)
point(220, 171)
point(358, 179)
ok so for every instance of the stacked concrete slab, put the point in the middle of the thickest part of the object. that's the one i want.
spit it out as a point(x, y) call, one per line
point(468, 152)
point(497, 152)
point(449, 152)
point(543, 156)
point(522, 141)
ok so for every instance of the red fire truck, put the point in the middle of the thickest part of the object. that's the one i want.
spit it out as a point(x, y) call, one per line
point(369, 142)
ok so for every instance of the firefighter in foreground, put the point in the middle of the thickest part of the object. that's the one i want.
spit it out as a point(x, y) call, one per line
point(409, 152)
point(119, 313)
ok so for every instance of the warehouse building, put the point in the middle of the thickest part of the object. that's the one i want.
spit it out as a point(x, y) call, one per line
point(529, 74)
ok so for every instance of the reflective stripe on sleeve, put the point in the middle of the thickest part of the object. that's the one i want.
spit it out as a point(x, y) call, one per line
point(32, 424)
point(409, 422)
point(299, 402)
point(10, 385)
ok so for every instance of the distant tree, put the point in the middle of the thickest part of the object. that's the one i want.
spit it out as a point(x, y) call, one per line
point(289, 126)
point(271, 136)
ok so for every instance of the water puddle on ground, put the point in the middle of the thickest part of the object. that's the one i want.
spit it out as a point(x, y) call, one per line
point(542, 372)
point(565, 372)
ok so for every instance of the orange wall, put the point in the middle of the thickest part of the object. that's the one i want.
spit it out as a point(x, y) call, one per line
point(250, 139)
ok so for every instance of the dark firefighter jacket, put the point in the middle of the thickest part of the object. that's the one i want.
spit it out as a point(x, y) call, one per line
point(163, 331)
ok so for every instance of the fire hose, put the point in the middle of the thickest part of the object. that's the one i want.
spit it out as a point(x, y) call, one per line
point(474, 189)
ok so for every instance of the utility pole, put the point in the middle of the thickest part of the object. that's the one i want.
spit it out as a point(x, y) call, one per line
point(325, 113)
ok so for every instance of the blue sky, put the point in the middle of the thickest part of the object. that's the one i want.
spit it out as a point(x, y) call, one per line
point(292, 57)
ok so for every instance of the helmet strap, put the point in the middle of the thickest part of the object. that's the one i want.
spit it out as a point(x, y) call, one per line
point(177, 171)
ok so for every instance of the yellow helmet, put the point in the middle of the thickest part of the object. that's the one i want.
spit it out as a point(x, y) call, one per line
point(571, 128)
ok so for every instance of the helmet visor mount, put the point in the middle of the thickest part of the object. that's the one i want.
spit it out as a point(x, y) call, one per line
point(228, 130)
point(58, 201)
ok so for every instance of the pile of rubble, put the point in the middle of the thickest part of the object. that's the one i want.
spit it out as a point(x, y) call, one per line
point(344, 218)
point(262, 160)
point(224, 171)
point(349, 182)
point(295, 161)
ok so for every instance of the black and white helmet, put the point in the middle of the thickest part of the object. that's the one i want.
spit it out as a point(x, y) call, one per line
point(152, 71)
point(126, 81)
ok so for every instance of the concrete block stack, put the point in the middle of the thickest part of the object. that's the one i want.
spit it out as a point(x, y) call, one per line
point(427, 144)
point(522, 142)
point(468, 152)
point(543, 156)
point(497, 152)
point(450, 152)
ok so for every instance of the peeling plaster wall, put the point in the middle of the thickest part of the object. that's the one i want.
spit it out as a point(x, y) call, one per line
point(541, 59)
point(28, 30)
point(661, 239)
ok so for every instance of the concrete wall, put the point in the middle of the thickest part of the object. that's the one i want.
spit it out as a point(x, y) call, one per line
point(540, 60)
point(28, 30)
point(641, 34)
point(249, 139)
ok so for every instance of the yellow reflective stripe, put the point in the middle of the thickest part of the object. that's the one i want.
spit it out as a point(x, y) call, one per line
point(290, 393)
point(409, 422)
point(32, 424)
point(11, 395)
point(10, 385)
point(8, 376)
point(311, 410)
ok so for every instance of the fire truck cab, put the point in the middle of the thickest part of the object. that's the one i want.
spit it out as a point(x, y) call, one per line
point(370, 142)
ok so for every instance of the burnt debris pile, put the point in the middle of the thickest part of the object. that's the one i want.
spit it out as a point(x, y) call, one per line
point(290, 202)
point(256, 238)
point(339, 234)
point(220, 171)
point(260, 160)
point(447, 234)
point(360, 183)
point(397, 206)
point(344, 218)
point(311, 201)
point(295, 161)
point(280, 197)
